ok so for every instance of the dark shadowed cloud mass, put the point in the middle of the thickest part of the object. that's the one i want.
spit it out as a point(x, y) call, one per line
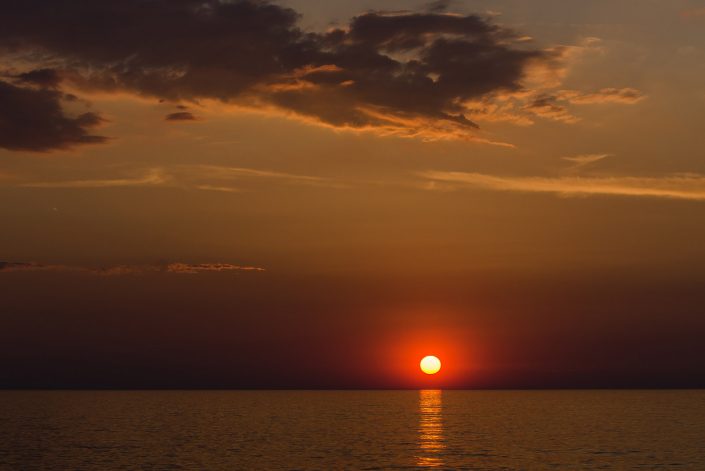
point(49, 78)
point(33, 119)
point(403, 72)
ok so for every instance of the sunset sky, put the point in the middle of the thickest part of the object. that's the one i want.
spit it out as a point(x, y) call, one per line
point(201, 193)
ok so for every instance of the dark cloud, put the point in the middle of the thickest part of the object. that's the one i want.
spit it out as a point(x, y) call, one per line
point(411, 70)
point(48, 78)
point(165, 48)
point(547, 107)
point(34, 120)
point(438, 6)
point(403, 71)
point(180, 116)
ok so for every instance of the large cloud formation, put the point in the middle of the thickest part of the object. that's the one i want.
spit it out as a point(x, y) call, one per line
point(404, 73)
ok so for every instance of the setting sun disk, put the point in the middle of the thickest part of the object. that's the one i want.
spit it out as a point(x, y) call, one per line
point(430, 365)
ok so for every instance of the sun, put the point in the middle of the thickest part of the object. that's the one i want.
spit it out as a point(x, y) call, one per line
point(430, 365)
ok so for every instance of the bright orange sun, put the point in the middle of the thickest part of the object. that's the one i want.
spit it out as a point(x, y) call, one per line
point(430, 365)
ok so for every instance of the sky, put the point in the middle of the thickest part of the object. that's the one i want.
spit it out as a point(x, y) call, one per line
point(306, 194)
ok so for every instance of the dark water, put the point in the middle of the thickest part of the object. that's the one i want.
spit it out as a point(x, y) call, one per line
point(230, 430)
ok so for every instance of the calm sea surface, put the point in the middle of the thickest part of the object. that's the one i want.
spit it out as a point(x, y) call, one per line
point(231, 430)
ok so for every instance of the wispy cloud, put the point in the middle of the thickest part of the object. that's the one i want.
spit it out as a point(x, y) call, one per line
point(155, 176)
point(623, 96)
point(6, 267)
point(195, 177)
point(222, 189)
point(684, 187)
point(217, 173)
point(121, 270)
point(584, 160)
point(553, 105)
point(547, 107)
point(242, 172)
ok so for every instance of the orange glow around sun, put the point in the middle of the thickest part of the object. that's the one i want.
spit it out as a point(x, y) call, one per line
point(457, 353)
point(430, 365)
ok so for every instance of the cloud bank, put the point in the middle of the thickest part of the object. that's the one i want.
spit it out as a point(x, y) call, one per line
point(401, 73)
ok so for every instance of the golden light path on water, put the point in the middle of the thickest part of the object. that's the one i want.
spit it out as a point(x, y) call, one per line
point(430, 440)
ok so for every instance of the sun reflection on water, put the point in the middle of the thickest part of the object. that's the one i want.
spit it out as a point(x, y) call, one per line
point(431, 440)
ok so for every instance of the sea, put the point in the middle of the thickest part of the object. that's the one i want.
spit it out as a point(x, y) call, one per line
point(356, 430)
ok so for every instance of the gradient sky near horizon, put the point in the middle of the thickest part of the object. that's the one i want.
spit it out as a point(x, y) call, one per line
point(307, 194)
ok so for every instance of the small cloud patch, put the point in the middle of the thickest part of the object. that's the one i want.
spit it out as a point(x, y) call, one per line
point(180, 116)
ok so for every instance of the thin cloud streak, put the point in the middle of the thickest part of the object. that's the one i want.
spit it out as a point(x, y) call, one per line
point(581, 161)
point(194, 268)
point(623, 96)
point(585, 159)
point(222, 189)
point(196, 177)
point(234, 173)
point(152, 177)
point(682, 187)
point(121, 270)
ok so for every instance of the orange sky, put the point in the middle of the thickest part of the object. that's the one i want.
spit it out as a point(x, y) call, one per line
point(517, 189)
